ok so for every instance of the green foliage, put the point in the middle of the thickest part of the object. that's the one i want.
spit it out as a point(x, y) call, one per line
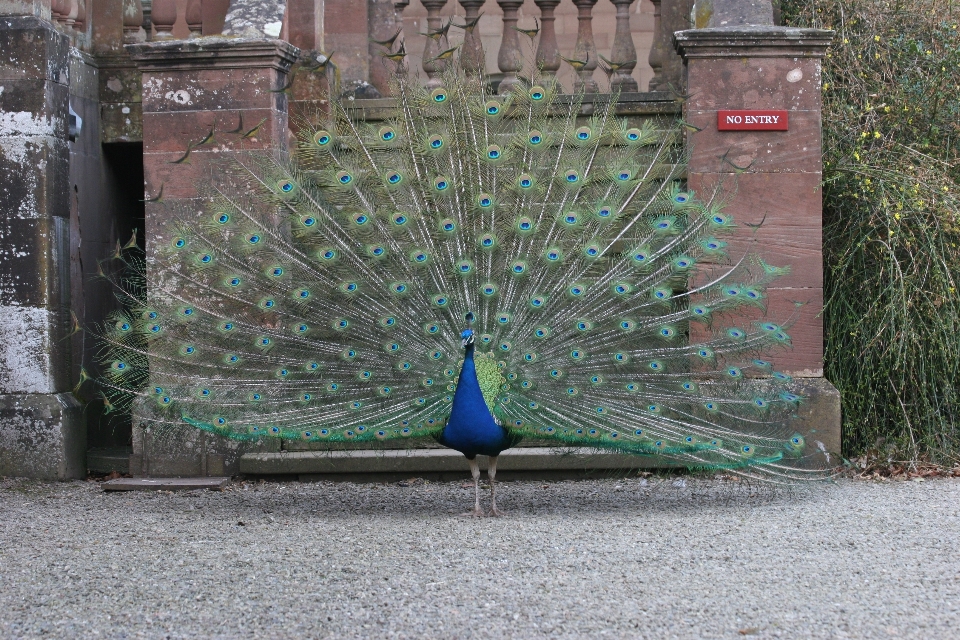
point(891, 89)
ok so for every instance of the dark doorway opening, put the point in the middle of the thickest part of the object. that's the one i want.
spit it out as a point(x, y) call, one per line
point(120, 215)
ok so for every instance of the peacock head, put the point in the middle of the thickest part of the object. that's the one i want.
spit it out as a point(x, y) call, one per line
point(467, 337)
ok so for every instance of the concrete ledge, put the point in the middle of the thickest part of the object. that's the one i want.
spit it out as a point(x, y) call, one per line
point(434, 461)
point(42, 436)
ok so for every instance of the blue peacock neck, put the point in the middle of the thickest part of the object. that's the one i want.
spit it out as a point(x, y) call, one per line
point(471, 428)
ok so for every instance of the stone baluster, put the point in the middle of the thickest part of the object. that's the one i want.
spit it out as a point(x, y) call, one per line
point(675, 16)
point(658, 50)
point(548, 53)
point(214, 14)
point(382, 23)
point(194, 18)
point(471, 53)
point(164, 16)
point(59, 10)
point(80, 24)
point(510, 59)
point(432, 66)
point(400, 5)
point(623, 54)
point(132, 21)
point(586, 48)
point(147, 6)
point(71, 16)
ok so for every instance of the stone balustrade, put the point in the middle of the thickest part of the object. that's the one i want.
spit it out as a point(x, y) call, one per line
point(515, 33)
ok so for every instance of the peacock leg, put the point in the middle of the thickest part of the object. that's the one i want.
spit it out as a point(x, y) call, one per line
point(475, 472)
point(492, 474)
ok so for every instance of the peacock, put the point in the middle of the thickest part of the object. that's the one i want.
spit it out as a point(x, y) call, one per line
point(480, 268)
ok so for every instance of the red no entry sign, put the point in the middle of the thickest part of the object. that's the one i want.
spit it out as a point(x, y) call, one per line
point(752, 120)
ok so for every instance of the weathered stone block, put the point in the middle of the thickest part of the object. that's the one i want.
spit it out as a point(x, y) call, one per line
point(173, 131)
point(794, 151)
point(33, 49)
point(36, 359)
point(789, 208)
point(121, 122)
point(119, 83)
point(728, 13)
point(818, 419)
point(25, 278)
point(42, 436)
point(34, 159)
point(791, 83)
point(798, 310)
point(212, 90)
point(185, 451)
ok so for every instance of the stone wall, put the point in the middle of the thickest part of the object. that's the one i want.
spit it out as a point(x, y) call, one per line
point(41, 433)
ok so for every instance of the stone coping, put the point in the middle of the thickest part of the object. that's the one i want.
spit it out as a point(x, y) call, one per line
point(646, 103)
point(764, 41)
point(213, 52)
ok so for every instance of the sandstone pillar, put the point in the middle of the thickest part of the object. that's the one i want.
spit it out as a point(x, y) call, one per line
point(41, 431)
point(771, 177)
point(231, 87)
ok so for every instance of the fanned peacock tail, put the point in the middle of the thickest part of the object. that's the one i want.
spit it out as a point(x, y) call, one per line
point(322, 297)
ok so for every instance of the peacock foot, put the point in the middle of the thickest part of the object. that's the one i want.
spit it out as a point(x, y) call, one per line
point(496, 513)
point(475, 513)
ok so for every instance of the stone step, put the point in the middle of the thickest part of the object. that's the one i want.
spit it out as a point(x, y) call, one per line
point(105, 460)
point(165, 484)
point(436, 461)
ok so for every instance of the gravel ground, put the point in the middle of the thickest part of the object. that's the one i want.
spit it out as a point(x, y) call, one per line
point(621, 558)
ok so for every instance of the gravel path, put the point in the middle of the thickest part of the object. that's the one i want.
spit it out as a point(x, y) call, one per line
point(600, 558)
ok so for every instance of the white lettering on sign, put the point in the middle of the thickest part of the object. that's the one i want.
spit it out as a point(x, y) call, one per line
point(754, 119)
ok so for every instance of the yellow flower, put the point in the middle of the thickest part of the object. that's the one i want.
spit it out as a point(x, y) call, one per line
point(856, 156)
point(876, 38)
point(845, 41)
point(886, 109)
point(897, 216)
point(876, 134)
